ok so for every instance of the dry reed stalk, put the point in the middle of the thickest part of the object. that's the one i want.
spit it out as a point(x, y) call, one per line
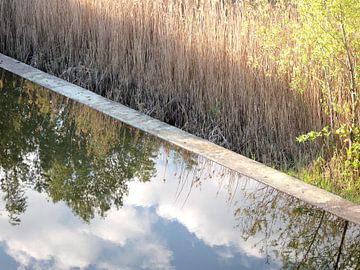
point(199, 65)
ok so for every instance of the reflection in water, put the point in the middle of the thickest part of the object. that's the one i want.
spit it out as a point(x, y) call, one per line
point(124, 200)
point(67, 151)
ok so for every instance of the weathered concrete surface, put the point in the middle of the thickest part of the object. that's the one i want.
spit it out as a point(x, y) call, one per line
point(227, 158)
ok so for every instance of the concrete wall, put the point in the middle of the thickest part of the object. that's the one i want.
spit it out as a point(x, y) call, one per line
point(250, 168)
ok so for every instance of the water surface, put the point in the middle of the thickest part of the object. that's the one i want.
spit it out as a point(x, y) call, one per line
point(80, 190)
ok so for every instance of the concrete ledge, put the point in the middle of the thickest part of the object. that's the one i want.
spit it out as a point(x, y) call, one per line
point(250, 168)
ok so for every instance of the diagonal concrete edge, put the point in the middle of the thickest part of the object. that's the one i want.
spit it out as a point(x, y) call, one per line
point(245, 166)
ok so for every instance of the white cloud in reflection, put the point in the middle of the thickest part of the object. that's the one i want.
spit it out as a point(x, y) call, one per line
point(204, 210)
point(51, 232)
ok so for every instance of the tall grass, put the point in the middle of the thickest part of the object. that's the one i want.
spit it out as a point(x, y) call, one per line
point(203, 66)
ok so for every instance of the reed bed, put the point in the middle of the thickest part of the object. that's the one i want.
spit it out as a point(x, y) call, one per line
point(200, 65)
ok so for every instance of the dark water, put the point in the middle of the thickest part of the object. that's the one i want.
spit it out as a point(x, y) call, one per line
point(80, 190)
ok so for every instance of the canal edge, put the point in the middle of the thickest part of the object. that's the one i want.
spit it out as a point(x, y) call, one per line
point(227, 158)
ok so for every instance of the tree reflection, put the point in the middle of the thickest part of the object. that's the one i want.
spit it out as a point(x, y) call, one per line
point(66, 150)
point(300, 236)
point(286, 231)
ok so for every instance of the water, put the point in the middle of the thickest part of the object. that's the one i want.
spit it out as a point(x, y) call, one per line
point(80, 190)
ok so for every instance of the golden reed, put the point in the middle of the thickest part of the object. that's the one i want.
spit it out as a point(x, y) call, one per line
point(197, 64)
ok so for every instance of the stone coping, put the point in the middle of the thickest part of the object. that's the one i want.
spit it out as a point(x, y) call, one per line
point(245, 166)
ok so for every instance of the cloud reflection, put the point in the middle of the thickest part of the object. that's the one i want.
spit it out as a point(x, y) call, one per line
point(51, 237)
point(204, 210)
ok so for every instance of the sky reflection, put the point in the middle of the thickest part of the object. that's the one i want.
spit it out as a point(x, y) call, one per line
point(157, 228)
